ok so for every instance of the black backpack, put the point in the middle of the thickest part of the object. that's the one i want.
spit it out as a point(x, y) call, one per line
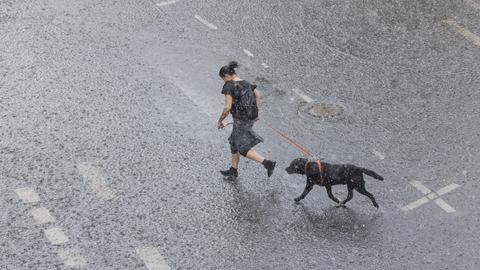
point(245, 102)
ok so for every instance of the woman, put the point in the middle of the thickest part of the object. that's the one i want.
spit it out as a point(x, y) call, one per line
point(243, 138)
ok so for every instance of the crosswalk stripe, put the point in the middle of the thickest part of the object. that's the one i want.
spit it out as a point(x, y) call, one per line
point(96, 181)
point(27, 195)
point(42, 215)
point(152, 258)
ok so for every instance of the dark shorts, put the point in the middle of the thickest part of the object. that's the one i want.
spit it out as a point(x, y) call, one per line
point(243, 138)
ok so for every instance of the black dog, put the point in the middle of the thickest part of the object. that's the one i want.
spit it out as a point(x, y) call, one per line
point(332, 174)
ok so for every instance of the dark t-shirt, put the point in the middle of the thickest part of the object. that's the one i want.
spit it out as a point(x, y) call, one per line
point(229, 88)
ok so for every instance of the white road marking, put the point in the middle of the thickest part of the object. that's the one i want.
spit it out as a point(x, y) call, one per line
point(161, 4)
point(247, 52)
point(378, 154)
point(431, 196)
point(265, 65)
point(208, 24)
point(473, 4)
point(72, 258)
point(464, 32)
point(42, 215)
point(152, 258)
point(56, 236)
point(27, 195)
point(302, 95)
point(96, 181)
point(447, 189)
point(416, 204)
point(445, 206)
point(420, 187)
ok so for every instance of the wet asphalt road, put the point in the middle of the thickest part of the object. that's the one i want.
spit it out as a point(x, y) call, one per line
point(109, 111)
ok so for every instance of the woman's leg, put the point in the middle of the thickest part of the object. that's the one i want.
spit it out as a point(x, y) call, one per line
point(268, 164)
point(253, 155)
point(235, 160)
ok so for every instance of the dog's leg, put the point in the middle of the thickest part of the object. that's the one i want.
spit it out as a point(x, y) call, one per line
point(350, 194)
point(330, 194)
point(307, 189)
point(363, 191)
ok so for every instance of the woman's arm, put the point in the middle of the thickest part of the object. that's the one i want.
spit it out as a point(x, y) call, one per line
point(227, 107)
point(257, 97)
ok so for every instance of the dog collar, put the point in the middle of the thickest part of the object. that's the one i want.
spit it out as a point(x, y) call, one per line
point(319, 168)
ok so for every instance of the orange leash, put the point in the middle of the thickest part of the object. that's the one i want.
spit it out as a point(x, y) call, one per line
point(291, 141)
point(303, 149)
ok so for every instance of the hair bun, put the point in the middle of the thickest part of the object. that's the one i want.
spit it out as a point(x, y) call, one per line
point(233, 64)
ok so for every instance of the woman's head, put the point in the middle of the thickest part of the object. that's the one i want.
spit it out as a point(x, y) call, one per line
point(227, 73)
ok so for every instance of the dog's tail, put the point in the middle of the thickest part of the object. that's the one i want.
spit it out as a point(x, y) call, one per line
point(371, 173)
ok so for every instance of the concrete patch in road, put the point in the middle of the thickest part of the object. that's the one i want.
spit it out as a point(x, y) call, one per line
point(27, 195)
point(152, 258)
point(96, 181)
point(72, 258)
point(42, 215)
point(56, 236)
point(431, 196)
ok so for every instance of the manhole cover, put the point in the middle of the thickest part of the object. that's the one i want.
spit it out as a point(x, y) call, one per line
point(323, 110)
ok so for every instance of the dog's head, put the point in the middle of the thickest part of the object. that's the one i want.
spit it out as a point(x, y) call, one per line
point(297, 166)
point(305, 167)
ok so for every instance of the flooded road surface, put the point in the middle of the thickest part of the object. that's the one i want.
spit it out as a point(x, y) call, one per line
point(110, 156)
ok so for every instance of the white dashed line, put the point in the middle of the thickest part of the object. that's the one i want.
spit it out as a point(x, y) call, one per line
point(378, 154)
point(56, 236)
point(27, 195)
point(247, 52)
point(96, 181)
point(72, 258)
point(152, 258)
point(302, 95)
point(42, 215)
point(166, 3)
point(265, 65)
point(464, 32)
point(202, 20)
point(473, 4)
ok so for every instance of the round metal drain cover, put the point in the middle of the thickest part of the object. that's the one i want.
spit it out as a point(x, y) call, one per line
point(323, 110)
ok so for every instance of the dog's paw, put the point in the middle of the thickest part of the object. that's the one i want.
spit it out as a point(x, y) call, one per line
point(297, 199)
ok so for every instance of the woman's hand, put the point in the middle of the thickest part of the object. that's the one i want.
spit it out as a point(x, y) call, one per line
point(220, 125)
